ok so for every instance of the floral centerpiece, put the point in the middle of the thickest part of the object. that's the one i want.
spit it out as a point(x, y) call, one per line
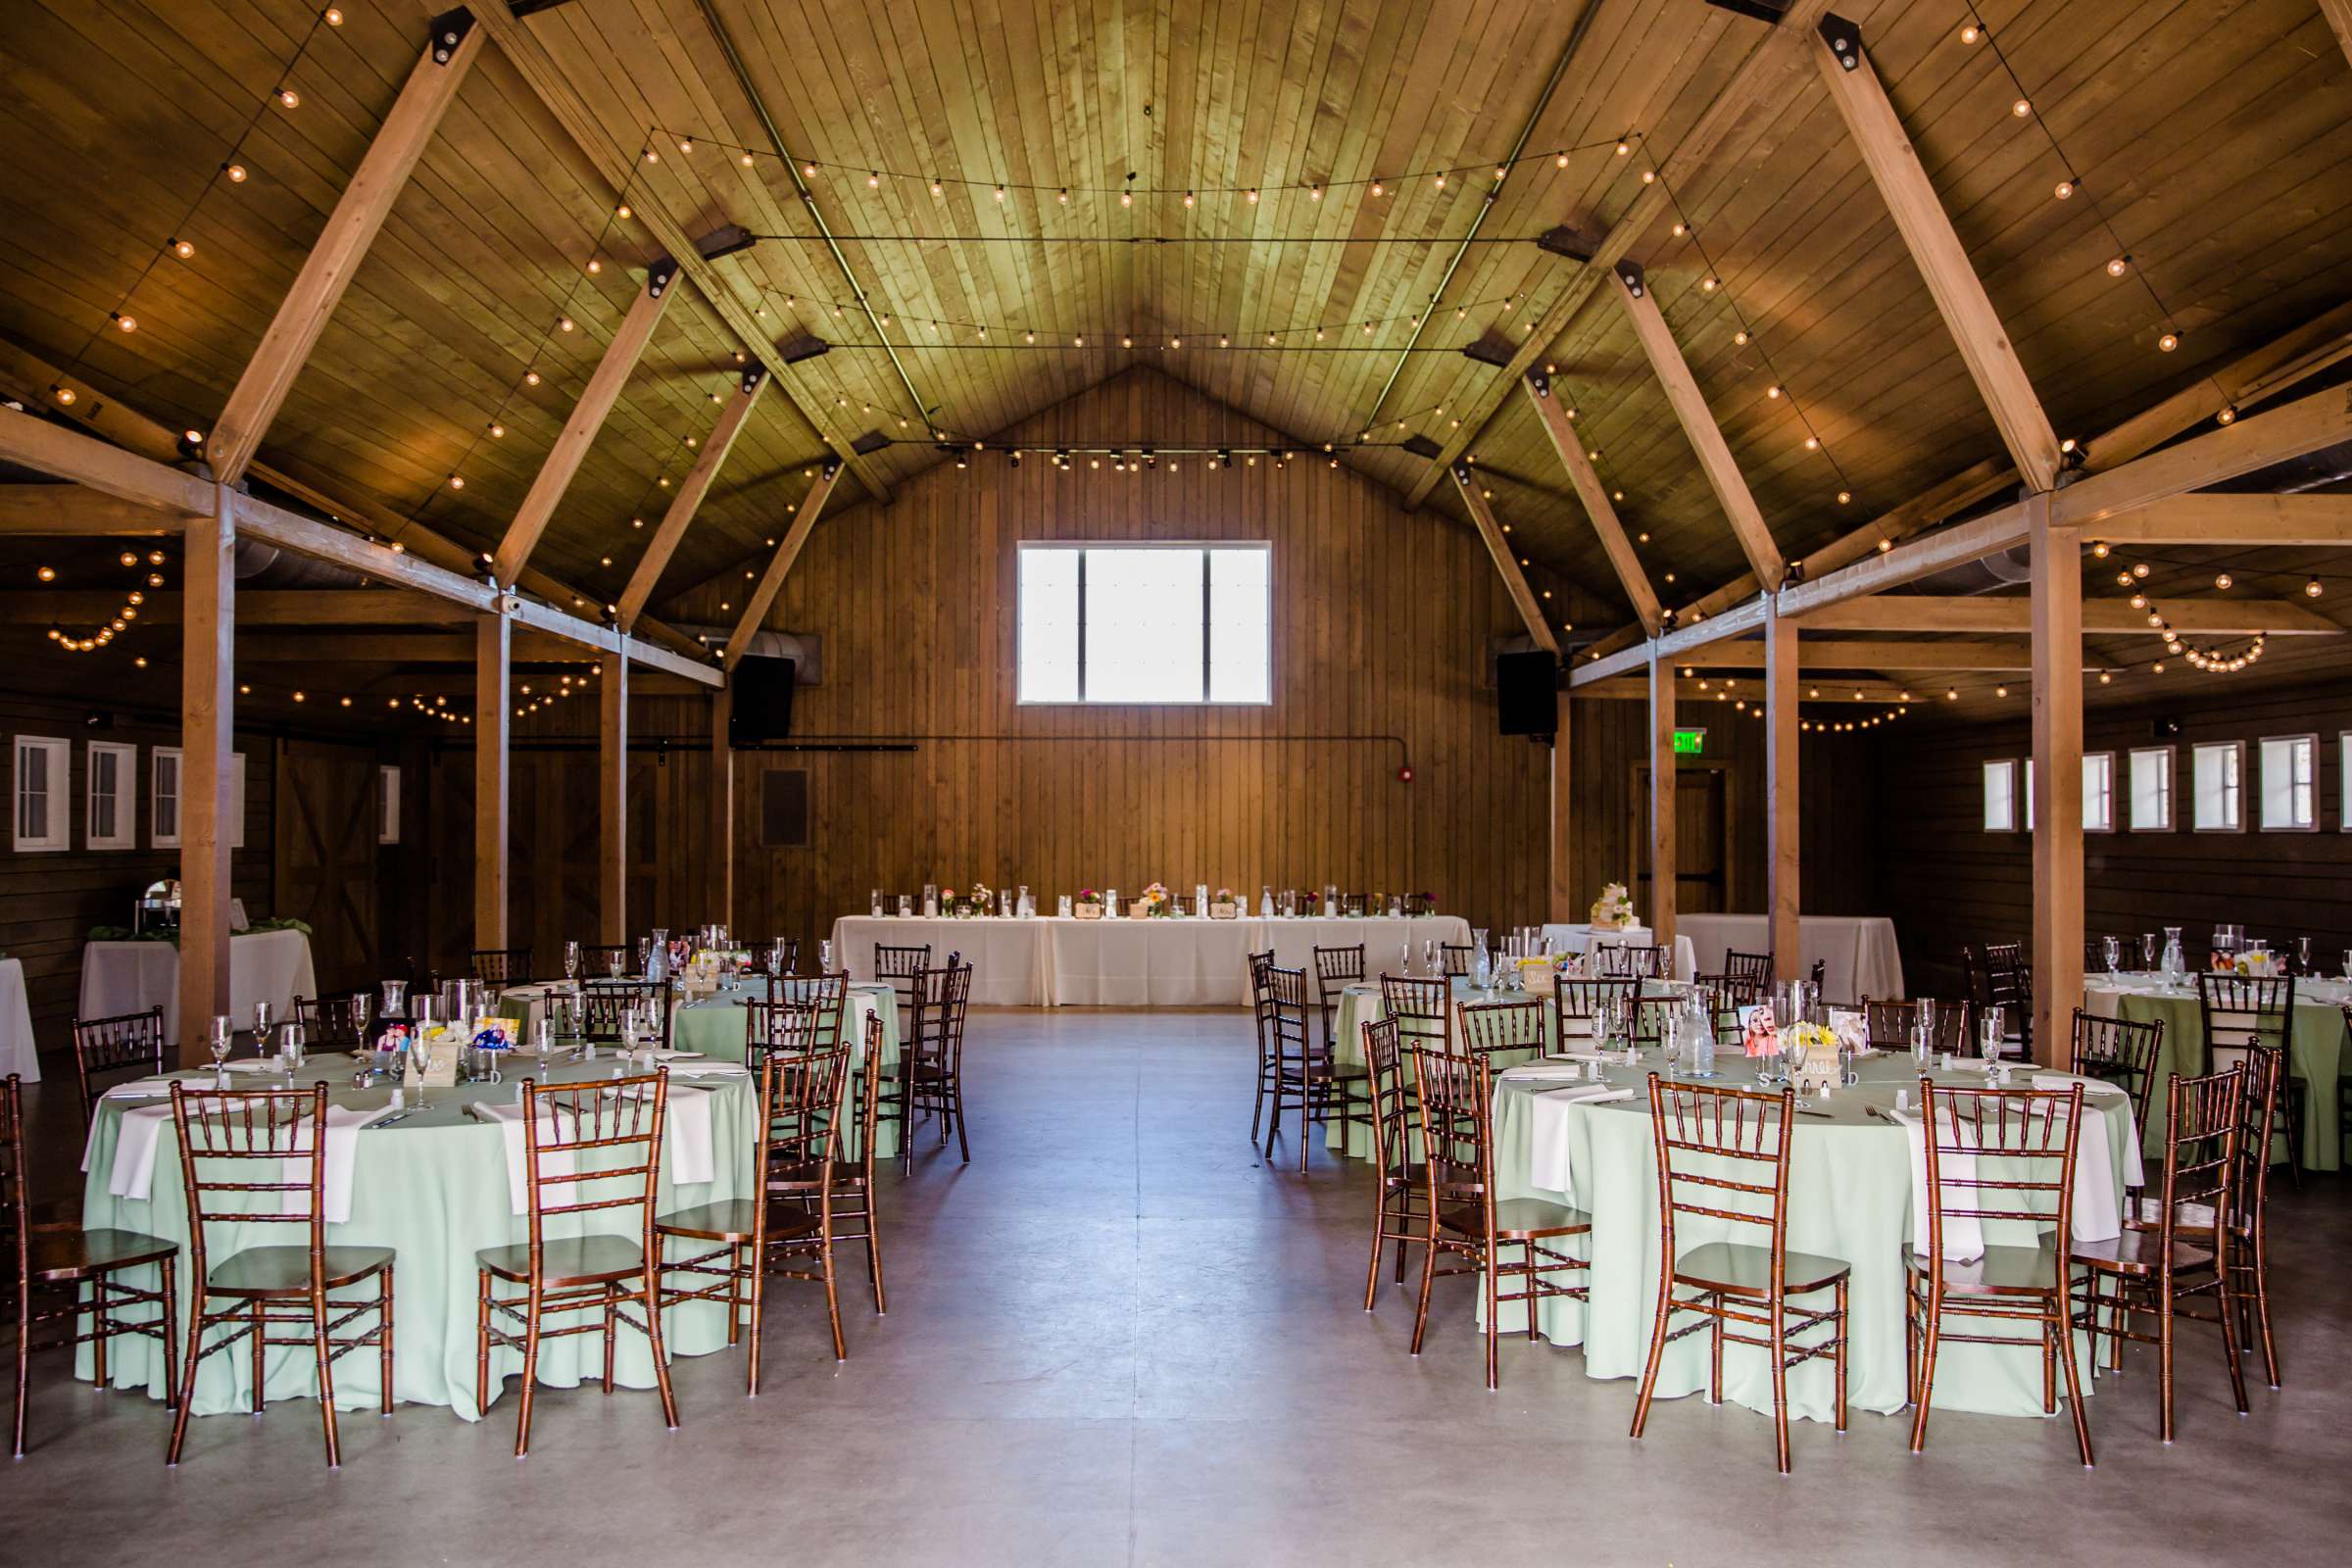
point(1613, 911)
point(1089, 905)
point(1153, 900)
point(1221, 905)
point(980, 898)
point(1816, 1065)
point(1309, 901)
point(948, 904)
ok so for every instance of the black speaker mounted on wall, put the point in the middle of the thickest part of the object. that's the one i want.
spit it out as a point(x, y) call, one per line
point(762, 708)
point(1526, 688)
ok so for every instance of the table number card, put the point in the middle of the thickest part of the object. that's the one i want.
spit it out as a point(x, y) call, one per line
point(441, 1053)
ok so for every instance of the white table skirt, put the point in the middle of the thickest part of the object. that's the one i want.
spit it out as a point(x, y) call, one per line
point(1858, 951)
point(1008, 956)
point(1384, 939)
point(1582, 938)
point(120, 977)
point(1187, 962)
point(17, 1054)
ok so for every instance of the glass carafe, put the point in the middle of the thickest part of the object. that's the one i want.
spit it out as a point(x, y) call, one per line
point(2175, 965)
point(395, 999)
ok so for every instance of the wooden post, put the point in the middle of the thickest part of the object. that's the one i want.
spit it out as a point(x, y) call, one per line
point(492, 708)
point(1784, 829)
point(613, 800)
point(1661, 803)
point(207, 740)
point(2339, 16)
point(1562, 900)
point(722, 803)
point(2057, 597)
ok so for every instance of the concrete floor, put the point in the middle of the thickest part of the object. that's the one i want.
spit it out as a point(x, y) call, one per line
point(1117, 1337)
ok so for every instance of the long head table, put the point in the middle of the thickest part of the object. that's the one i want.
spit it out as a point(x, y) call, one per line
point(1055, 960)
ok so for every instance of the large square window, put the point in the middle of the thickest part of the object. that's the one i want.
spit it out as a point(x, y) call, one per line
point(1146, 623)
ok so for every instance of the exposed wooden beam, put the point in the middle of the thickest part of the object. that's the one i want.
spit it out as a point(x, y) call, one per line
point(70, 512)
point(612, 801)
point(2057, 802)
point(2339, 16)
point(596, 401)
point(1514, 581)
point(493, 713)
point(208, 685)
point(787, 550)
point(1662, 863)
point(2210, 616)
point(1819, 652)
point(1774, 66)
point(1782, 835)
point(1553, 413)
point(617, 164)
point(2304, 522)
point(689, 498)
point(397, 649)
point(1631, 290)
point(1700, 695)
point(431, 87)
point(1920, 218)
point(1734, 622)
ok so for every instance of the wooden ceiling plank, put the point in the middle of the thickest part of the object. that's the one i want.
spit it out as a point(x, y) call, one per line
point(596, 401)
point(260, 391)
point(1506, 563)
point(787, 550)
point(689, 498)
point(1553, 414)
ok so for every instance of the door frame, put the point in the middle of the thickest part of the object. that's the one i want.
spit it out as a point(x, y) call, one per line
point(1638, 839)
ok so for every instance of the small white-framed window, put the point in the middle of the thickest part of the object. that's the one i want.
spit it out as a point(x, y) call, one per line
point(2290, 783)
point(109, 790)
point(2000, 796)
point(2343, 782)
point(387, 805)
point(2217, 775)
point(2098, 792)
point(163, 794)
point(2149, 775)
point(43, 817)
point(2026, 792)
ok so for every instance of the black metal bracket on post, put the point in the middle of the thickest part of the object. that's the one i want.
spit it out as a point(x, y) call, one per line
point(449, 29)
point(660, 275)
point(1845, 40)
point(1636, 281)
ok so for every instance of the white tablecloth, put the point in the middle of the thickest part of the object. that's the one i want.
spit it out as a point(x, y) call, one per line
point(120, 977)
point(1857, 949)
point(1582, 938)
point(1187, 962)
point(16, 1054)
point(1008, 956)
point(1383, 938)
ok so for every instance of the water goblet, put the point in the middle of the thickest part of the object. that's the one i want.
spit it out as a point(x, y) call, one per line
point(2113, 949)
point(260, 1022)
point(1670, 1040)
point(1923, 1040)
point(2302, 954)
point(219, 1042)
point(824, 957)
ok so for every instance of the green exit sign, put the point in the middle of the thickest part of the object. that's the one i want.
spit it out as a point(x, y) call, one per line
point(1690, 742)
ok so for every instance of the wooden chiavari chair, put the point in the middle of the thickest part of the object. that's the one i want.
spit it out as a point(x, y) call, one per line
point(2119, 1051)
point(855, 1211)
point(801, 1087)
point(1633, 961)
point(899, 968)
point(1575, 1004)
point(2246, 1014)
point(2152, 1268)
point(64, 1274)
point(1723, 997)
point(1401, 1206)
point(1454, 960)
point(226, 1135)
point(1354, 903)
point(792, 958)
point(126, 1046)
point(1261, 1007)
point(1513, 1029)
point(1307, 1077)
point(1419, 904)
point(501, 966)
point(1888, 1025)
point(1423, 1007)
point(1999, 977)
point(1749, 969)
point(2248, 1256)
point(604, 1004)
point(1335, 969)
point(1995, 1157)
point(590, 1147)
point(931, 1061)
point(606, 961)
point(330, 1023)
point(1470, 1221)
point(772, 1022)
point(1723, 1155)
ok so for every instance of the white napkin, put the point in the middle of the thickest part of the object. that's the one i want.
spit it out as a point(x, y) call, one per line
point(507, 1117)
point(342, 1154)
point(1550, 1162)
point(140, 1089)
point(253, 1064)
point(686, 1132)
point(1962, 1234)
point(1568, 1072)
point(2061, 1082)
point(708, 1069)
point(667, 1057)
point(135, 1140)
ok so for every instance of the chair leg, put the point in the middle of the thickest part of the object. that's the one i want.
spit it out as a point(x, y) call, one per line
point(187, 1376)
point(2228, 1316)
point(530, 1368)
point(1658, 1351)
point(758, 1264)
point(653, 1329)
point(1380, 1237)
point(481, 1348)
point(2164, 1356)
point(1930, 1339)
point(100, 1316)
point(383, 1311)
point(963, 1143)
point(612, 1329)
point(25, 1357)
point(327, 1378)
point(260, 1341)
point(1490, 1268)
point(170, 1336)
point(873, 1238)
point(1429, 1274)
point(1715, 1349)
point(1837, 1355)
point(2259, 1295)
point(2060, 1330)
point(1779, 1380)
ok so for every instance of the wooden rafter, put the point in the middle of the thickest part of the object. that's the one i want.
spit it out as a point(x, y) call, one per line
point(1770, 68)
point(1531, 610)
point(787, 550)
point(587, 417)
point(1554, 415)
point(689, 498)
point(360, 211)
point(1889, 654)
point(2340, 17)
point(2303, 520)
point(67, 511)
point(1935, 249)
point(2204, 617)
point(1631, 289)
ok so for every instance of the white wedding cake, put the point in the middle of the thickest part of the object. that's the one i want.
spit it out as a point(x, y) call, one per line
point(1613, 911)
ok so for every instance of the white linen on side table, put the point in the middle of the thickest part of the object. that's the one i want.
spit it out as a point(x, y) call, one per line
point(1175, 963)
point(120, 977)
point(17, 1052)
point(1383, 939)
point(1858, 953)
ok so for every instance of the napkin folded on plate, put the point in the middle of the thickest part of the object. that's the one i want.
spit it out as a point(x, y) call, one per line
point(140, 1089)
point(667, 1057)
point(507, 1116)
point(1568, 1072)
point(708, 1069)
point(1551, 1150)
point(254, 1064)
point(2063, 1081)
point(686, 1133)
point(342, 1155)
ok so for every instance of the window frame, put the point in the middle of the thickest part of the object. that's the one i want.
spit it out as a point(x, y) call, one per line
point(56, 795)
point(125, 835)
point(1984, 796)
point(1085, 547)
point(157, 838)
point(2238, 748)
point(387, 803)
point(2344, 781)
point(2108, 826)
point(2261, 746)
point(2172, 790)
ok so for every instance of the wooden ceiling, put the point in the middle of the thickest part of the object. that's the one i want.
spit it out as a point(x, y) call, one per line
point(2214, 137)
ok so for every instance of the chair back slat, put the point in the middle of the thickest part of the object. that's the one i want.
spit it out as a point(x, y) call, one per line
point(796, 1016)
point(334, 1023)
point(800, 1103)
point(1454, 960)
point(1454, 1091)
point(1422, 1006)
point(581, 1141)
point(1489, 1028)
point(2120, 1051)
point(125, 1046)
point(234, 1146)
point(1749, 969)
point(1634, 961)
point(2000, 1154)
point(1577, 1001)
point(606, 1003)
point(2242, 1012)
point(2203, 1117)
point(1391, 1095)
point(1889, 1023)
point(502, 967)
point(1722, 1154)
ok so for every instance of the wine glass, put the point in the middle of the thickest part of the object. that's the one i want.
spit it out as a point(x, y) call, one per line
point(2302, 954)
point(1670, 1038)
point(261, 1020)
point(571, 960)
point(1923, 1039)
point(219, 1042)
point(824, 957)
point(1988, 1038)
point(2151, 948)
point(2113, 949)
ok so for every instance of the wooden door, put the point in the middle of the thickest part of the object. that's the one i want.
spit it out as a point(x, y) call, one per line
point(325, 860)
point(1702, 838)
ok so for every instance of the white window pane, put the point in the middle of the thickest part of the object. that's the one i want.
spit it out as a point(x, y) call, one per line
point(2286, 782)
point(163, 831)
point(2000, 797)
point(2152, 790)
point(1142, 625)
point(2098, 792)
point(1049, 632)
point(2027, 795)
point(1241, 642)
point(2215, 773)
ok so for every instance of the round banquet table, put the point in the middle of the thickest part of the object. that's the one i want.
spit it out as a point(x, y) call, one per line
point(17, 1052)
point(435, 1187)
point(1582, 938)
point(2315, 1050)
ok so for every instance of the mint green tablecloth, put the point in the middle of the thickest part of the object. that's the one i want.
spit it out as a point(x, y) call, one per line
point(435, 1189)
point(1849, 1197)
point(2315, 1052)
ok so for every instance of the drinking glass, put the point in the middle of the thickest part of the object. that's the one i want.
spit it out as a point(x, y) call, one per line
point(1988, 1035)
point(261, 1023)
point(1431, 963)
point(824, 957)
point(571, 960)
point(1405, 960)
point(1670, 1040)
point(1923, 1040)
point(2114, 952)
point(2303, 955)
point(219, 1042)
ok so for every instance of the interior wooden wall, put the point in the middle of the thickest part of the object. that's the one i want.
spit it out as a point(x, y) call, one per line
point(1948, 882)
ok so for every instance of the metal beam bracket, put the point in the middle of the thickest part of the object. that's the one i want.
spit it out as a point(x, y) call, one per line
point(660, 275)
point(1636, 281)
point(449, 28)
point(1845, 40)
